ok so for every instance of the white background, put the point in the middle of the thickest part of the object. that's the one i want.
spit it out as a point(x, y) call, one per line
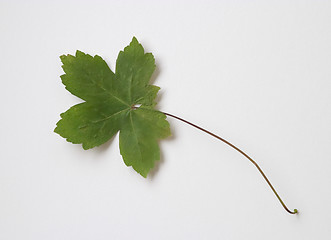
point(255, 72)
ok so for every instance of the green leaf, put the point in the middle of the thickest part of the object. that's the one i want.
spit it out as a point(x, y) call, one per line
point(109, 106)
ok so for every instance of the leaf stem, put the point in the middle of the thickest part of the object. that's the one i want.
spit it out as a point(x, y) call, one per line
point(240, 151)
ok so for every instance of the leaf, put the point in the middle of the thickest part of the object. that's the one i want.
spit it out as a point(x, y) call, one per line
point(109, 106)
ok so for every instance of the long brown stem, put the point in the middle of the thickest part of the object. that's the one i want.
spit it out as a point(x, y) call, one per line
point(242, 152)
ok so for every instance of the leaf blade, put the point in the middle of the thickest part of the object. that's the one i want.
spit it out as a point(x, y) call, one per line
point(109, 107)
point(88, 78)
point(89, 124)
point(139, 139)
point(134, 69)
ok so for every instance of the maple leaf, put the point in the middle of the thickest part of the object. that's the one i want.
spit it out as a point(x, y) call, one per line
point(110, 105)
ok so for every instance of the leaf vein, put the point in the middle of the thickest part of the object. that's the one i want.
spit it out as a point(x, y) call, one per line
point(135, 134)
point(110, 116)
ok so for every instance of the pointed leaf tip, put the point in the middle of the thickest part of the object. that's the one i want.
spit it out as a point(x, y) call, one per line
point(134, 39)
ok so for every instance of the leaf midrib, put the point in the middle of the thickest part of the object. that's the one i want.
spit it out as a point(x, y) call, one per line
point(112, 115)
point(110, 93)
point(135, 135)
